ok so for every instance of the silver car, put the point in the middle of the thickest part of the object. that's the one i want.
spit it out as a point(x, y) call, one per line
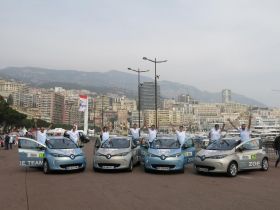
point(116, 153)
point(229, 156)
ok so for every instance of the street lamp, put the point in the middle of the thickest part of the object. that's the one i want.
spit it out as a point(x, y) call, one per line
point(139, 109)
point(156, 77)
point(102, 114)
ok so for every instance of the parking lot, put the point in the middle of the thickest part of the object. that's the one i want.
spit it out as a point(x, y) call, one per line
point(31, 189)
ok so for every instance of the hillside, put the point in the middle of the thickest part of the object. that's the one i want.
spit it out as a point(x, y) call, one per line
point(111, 81)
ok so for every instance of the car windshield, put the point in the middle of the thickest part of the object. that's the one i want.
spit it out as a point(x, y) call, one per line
point(165, 144)
point(62, 143)
point(223, 144)
point(116, 143)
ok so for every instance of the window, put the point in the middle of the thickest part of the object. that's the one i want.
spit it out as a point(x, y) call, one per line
point(251, 145)
point(27, 144)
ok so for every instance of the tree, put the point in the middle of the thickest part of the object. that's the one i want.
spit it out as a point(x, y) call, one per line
point(10, 100)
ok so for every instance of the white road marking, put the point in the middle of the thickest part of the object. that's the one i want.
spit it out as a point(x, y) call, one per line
point(245, 177)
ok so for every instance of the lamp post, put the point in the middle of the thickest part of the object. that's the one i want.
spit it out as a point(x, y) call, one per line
point(156, 77)
point(102, 114)
point(139, 108)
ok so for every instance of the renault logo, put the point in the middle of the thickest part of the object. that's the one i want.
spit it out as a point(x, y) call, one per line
point(72, 156)
point(108, 156)
point(163, 157)
point(203, 157)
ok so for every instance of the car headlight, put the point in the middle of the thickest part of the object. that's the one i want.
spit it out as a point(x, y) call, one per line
point(176, 155)
point(217, 157)
point(122, 154)
point(57, 155)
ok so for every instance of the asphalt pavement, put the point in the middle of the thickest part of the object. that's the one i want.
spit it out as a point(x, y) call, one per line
point(29, 188)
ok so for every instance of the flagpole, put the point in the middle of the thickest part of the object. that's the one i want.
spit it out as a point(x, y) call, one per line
point(86, 118)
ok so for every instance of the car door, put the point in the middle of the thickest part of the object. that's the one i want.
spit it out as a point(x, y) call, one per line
point(97, 145)
point(188, 151)
point(31, 152)
point(134, 152)
point(249, 154)
point(144, 151)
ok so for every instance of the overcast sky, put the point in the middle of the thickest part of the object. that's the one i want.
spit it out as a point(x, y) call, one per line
point(211, 44)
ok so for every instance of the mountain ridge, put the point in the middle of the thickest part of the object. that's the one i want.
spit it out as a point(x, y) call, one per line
point(111, 81)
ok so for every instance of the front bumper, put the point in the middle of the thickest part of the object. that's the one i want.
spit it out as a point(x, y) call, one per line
point(66, 163)
point(115, 162)
point(169, 164)
point(211, 165)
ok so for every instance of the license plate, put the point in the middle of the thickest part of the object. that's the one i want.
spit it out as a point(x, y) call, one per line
point(108, 167)
point(163, 168)
point(72, 167)
point(203, 169)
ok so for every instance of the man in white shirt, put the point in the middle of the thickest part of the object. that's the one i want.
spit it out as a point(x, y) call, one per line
point(215, 133)
point(105, 135)
point(135, 132)
point(42, 134)
point(152, 133)
point(181, 134)
point(244, 130)
point(74, 134)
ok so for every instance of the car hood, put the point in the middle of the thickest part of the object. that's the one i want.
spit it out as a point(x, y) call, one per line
point(106, 151)
point(76, 151)
point(210, 153)
point(165, 152)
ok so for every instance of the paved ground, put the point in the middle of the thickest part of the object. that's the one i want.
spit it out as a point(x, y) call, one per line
point(30, 189)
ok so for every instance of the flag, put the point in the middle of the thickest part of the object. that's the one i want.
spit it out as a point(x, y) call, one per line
point(83, 103)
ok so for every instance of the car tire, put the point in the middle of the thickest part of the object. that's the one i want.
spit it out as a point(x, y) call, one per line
point(46, 167)
point(146, 170)
point(95, 169)
point(232, 169)
point(265, 164)
point(182, 171)
point(130, 167)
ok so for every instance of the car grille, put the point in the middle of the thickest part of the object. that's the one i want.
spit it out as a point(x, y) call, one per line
point(208, 167)
point(162, 165)
point(108, 164)
point(69, 165)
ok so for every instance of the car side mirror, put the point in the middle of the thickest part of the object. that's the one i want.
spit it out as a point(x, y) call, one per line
point(97, 145)
point(184, 146)
point(133, 146)
point(145, 146)
point(240, 149)
point(41, 148)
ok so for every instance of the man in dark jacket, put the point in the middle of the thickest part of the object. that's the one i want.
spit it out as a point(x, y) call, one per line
point(7, 141)
point(276, 146)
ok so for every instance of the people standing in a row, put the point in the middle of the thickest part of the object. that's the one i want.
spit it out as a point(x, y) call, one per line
point(216, 133)
point(244, 130)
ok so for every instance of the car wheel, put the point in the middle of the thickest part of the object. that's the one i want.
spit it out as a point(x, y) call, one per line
point(146, 170)
point(46, 167)
point(182, 171)
point(130, 167)
point(95, 169)
point(232, 169)
point(265, 164)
